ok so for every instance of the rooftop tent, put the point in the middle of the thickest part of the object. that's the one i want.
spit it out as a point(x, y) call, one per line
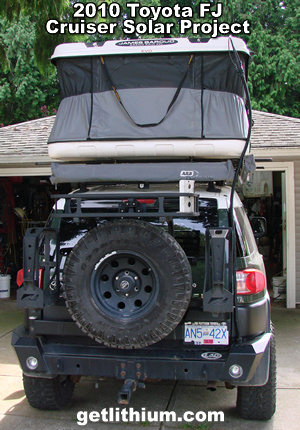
point(149, 98)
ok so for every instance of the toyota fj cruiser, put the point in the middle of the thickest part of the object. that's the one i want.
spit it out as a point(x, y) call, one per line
point(131, 287)
point(150, 270)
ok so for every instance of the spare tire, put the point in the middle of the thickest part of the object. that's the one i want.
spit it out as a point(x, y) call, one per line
point(127, 284)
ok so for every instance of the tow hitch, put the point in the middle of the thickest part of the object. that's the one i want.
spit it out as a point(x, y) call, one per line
point(125, 393)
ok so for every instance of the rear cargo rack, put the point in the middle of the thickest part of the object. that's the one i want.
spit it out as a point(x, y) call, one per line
point(125, 205)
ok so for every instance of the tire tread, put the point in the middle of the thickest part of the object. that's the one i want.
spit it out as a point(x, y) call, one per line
point(48, 394)
point(259, 402)
point(178, 269)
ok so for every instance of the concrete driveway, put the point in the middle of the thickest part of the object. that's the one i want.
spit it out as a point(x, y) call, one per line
point(15, 413)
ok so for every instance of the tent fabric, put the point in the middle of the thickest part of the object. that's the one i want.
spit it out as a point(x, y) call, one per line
point(224, 113)
point(210, 105)
point(85, 74)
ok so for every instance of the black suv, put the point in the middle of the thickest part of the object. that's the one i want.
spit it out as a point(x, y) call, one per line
point(143, 281)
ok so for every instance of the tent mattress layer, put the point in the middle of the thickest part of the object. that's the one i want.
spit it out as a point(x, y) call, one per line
point(147, 149)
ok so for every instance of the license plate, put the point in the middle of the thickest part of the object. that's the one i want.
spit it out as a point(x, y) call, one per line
point(203, 333)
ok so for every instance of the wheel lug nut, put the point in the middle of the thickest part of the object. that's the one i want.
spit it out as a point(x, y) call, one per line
point(136, 278)
point(126, 295)
point(117, 278)
point(136, 289)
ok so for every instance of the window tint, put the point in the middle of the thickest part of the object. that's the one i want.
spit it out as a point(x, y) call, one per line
point(246, 244)
point(190, 232)
point(71, 232)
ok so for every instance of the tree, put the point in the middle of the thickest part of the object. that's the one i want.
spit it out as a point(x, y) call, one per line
point(23, 89)
point(274, 42)
point(38, 12)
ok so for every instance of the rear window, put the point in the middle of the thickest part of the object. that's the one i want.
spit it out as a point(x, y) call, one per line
point(246, 244)
point(190, 232)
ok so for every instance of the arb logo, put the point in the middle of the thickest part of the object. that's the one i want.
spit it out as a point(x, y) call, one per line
point(186, 173)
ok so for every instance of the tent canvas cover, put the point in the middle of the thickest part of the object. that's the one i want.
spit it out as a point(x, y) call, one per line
point(157, 98)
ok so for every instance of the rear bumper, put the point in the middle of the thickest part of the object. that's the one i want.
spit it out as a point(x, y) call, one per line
point(151, 363)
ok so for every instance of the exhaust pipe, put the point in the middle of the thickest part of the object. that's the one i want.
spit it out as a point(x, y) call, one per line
point(211, 385)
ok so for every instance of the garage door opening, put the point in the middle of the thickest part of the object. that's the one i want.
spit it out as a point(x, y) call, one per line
point(263, 198)
point(270, 194)
point(24, 202)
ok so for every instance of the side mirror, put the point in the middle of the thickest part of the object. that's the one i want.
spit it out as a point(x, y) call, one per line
point(259, 226)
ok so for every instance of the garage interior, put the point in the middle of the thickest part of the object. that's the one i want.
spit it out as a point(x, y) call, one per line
point(24, 202)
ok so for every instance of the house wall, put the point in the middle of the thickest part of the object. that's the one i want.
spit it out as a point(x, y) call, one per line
point(297, 204)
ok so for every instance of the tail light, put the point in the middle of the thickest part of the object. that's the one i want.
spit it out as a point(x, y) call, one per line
point(145, 201)
point(250, 281)
point(20, 278)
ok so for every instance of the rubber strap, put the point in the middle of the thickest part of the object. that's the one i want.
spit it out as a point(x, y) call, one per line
point(154, 124)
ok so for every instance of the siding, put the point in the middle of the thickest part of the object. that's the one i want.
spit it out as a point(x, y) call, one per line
point(297, 205)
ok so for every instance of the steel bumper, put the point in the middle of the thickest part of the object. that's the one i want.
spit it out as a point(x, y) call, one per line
point(193, 364)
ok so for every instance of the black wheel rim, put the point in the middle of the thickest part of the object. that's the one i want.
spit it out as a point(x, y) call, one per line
point(124, 285)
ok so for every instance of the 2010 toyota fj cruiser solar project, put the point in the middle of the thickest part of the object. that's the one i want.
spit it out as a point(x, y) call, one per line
point(149, 270)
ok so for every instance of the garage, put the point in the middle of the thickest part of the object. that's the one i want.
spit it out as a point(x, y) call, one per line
point(276, 146)
point(25, 190)
point(265, 196)
point(26, 194)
